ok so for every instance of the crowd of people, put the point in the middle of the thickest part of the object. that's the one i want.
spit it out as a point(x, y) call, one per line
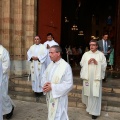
point(74, 55)
point(52, 76)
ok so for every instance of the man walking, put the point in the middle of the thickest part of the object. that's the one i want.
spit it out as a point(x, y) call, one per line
point(7, 103)
point(57, 81)
point(93, 65)
point(37, 55)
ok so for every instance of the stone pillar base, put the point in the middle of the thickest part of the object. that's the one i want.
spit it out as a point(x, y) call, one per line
point(19, 67)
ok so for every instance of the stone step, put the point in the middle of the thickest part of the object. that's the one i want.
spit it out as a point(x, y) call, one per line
point(105, 96)
point(110, 83)
point(106, 105)
point(26, 96)
point(24, 85)
point(74, 93)
point(72, 101)
point(20, 89)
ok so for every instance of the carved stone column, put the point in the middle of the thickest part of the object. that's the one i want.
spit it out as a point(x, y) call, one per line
point(5, 23)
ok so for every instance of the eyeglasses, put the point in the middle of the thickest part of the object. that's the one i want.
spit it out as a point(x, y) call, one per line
point(36, 39)
point(92, 44)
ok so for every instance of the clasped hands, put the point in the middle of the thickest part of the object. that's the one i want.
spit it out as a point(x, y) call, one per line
point(92, 60)
point(47, 87)
point(35, 58)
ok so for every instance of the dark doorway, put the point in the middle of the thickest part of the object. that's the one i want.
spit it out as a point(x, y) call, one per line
point(92, 18)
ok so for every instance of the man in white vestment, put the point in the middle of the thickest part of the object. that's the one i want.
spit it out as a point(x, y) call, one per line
point(57, 81)
point(37, 54)
point(50, 42)
point(93, 65)
point(7, 103)
point(1, 72)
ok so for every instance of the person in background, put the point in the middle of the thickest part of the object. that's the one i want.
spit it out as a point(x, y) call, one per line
point(50, 42)
point(111, 59)
point(105, 46)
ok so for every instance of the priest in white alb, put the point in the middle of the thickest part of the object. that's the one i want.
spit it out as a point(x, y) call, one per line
point(57, 81)
point(1, 73)
point(7, 103)
point(50, 42)
point(37, 54)
point(93, 66)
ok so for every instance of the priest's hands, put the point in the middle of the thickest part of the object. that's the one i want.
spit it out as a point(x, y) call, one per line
point(92, 60)
point(35, 58)
point(47, 87)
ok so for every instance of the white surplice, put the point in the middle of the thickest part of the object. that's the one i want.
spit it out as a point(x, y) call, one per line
point(50, 43)
point(38, 67)
point(60, 90)
point(92, 81)
point(6, 100)
point(1, 73)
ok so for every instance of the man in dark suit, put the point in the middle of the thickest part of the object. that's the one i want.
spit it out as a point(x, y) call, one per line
point(104, 45)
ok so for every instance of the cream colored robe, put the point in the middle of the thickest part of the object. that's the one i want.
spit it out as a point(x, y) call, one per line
point(60, 75)
point(6, 100)
point(92, 76)
point(37, 67)
point(50, 43)
point(1, 116)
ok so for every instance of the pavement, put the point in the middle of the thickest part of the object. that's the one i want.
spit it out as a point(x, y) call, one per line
point(38, 111)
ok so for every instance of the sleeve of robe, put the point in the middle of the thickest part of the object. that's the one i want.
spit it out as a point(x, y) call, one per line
point(45, 44)
point(103, 66)
point(65, 86)
point(84, 67)
point(0, 73)
point(29, 54)
point(1, 116)
point(44, 79)
point(82, 60)
point(43, 57)
point(5, 61)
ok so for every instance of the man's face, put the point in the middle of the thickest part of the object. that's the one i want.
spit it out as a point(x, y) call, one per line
point(37, 40)
point(93, 46)
point(54, 55)
point(49, 38)
point(105, 37)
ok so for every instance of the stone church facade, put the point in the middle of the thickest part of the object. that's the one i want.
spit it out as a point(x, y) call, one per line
point(17, 31)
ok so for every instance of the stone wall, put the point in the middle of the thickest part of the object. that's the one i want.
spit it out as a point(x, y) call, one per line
point(17, 30)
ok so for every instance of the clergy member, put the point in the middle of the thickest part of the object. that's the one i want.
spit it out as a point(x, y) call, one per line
point(57, 81)
point(37, 55)
point(7, 103)
point(50, 42)
point(1, 73)
point(93, 65)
